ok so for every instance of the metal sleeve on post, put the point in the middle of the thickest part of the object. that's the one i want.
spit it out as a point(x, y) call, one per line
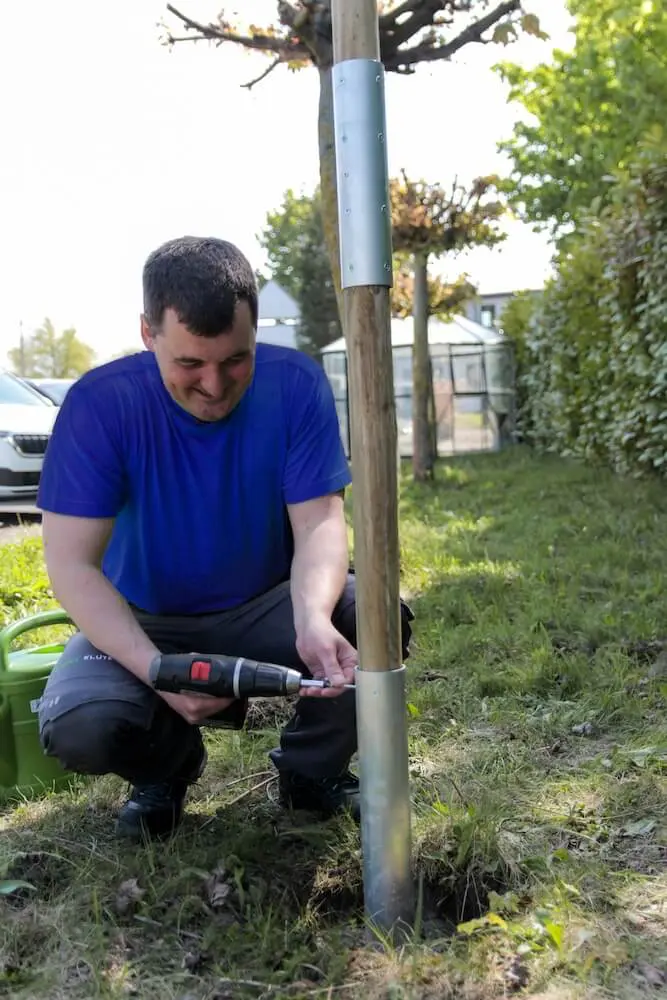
point(362, 173)
point(385, 797)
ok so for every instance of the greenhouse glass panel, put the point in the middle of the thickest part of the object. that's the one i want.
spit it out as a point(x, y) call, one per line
point(473, 385)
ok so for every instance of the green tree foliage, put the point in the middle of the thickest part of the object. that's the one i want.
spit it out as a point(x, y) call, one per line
point(411, 32)
point(48, 354)
point(595, 353)
point(515, 321)
point(293, 238)
point(588, 109)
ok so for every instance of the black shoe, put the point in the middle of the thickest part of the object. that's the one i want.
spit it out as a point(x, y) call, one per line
point(155, 811)
point(327, 796)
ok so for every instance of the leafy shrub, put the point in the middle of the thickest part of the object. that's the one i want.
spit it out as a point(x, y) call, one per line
point(516, 323)
point(593, 354)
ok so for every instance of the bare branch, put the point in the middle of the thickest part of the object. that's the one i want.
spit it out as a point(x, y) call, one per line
point(388, 20)
point(262, 76)
point(422, 14)
point(284, 47)
point(427, 52)
point(176, 39)
point(306, 35)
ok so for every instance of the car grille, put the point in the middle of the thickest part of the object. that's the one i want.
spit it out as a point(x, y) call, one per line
point(9, 478)
point(31, 444)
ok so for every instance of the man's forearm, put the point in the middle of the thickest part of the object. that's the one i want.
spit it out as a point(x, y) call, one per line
point(319, 571)
point(104, 617)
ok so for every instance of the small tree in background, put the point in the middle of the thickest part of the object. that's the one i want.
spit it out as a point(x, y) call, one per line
point(293, 238)
point(48, 354)
point(429, 221)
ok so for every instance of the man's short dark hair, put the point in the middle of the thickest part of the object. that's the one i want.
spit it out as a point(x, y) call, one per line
point(202, 279)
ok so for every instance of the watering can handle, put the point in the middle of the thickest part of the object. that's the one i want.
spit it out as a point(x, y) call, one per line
point(41, 620)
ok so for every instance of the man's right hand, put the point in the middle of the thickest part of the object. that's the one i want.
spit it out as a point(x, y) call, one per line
point(195, 708)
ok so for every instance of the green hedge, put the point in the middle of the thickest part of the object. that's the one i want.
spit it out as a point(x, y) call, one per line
point(592, 351)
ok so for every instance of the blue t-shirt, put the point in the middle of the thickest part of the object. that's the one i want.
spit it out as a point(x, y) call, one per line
point(200, 508)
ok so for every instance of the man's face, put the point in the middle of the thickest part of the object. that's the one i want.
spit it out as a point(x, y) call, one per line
point(207, 376)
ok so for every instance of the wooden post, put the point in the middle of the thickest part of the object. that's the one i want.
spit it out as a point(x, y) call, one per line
point(366, 276)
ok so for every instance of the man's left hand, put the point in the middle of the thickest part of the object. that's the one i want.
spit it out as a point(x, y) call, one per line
point(328, 655)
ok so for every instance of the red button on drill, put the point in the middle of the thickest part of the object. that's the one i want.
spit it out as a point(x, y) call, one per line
point(200, 670)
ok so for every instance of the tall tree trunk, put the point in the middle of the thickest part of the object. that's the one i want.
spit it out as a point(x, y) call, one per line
point(423, 459)
point(328, 185)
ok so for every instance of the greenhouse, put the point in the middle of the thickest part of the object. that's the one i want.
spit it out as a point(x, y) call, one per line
point(473, 384)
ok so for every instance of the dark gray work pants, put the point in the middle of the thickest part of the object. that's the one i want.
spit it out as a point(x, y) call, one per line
point(97, 718)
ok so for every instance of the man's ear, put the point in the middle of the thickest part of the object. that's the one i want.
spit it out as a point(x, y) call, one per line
point(147, 334)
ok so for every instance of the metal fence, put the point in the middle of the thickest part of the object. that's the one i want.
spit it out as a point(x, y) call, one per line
point(473, 393)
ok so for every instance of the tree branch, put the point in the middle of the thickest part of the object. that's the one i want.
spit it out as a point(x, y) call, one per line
point(389, 19)
point(262, 76)
point(177, 39)
point(290, 16)
point(422, 14)
point(307, 32)
point(311, 23)
point(401, 61)
point(283, 47)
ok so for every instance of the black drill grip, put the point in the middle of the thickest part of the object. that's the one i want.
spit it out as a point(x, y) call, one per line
point(222, 676)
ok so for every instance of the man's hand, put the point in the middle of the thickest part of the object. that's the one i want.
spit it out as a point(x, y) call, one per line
point(327, 654)
point(195, 708)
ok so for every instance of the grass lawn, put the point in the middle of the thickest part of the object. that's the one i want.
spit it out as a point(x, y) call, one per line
point(538, 742)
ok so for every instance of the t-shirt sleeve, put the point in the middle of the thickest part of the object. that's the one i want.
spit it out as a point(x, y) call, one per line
point(83, 474)
point(316, 463)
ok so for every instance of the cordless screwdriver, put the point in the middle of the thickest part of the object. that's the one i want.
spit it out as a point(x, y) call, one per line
point(227, 676)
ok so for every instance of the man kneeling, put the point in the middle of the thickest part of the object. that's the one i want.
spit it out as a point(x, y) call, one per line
point(192, 499)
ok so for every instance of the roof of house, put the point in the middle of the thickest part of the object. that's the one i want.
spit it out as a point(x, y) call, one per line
point(459, 330)
point(276, 303)
point(508, 293)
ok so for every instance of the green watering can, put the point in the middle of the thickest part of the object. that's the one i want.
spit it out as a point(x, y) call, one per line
point(23, 675)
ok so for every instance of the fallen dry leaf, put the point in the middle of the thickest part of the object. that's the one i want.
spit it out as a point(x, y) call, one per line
point(128, 896)
point(218, 888)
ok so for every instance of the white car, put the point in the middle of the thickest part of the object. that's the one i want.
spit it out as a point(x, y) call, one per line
point(26, 421)
point(54, 389)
